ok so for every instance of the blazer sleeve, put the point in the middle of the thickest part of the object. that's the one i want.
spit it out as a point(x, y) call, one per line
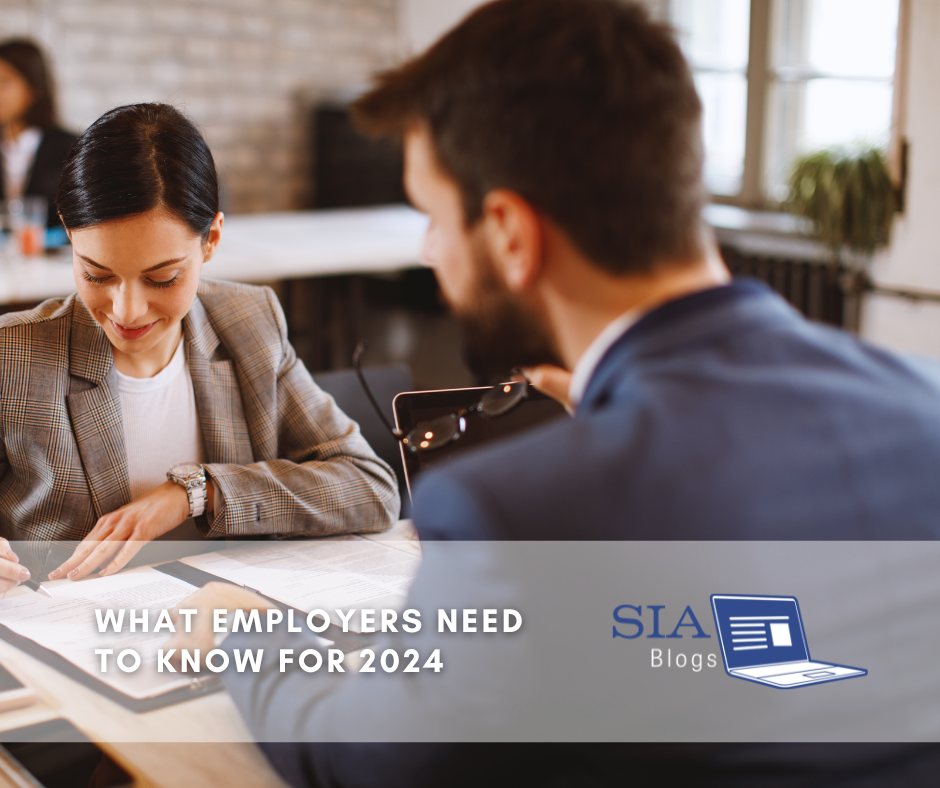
point(326, 478)
point(3, 457)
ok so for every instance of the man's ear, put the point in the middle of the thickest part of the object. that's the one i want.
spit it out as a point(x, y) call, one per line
point(512, 231)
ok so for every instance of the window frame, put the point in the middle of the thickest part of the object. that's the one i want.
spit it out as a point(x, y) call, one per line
point(761, 78)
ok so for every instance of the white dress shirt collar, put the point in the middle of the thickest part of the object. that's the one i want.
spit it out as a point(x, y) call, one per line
point(590, 358)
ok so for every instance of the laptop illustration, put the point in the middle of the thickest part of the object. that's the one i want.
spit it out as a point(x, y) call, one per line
point(762, 640)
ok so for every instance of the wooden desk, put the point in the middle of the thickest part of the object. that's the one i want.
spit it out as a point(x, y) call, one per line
point(166, 747)
point(263, 248)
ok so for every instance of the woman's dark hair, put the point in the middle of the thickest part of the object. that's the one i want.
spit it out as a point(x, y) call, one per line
point(134, 159)
point(27, 59)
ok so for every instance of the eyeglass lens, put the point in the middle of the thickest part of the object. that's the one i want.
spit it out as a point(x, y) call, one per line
point(502, 398)
point(435, 433)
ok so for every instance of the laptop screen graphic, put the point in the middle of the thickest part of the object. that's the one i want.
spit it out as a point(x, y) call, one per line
point(759, 630)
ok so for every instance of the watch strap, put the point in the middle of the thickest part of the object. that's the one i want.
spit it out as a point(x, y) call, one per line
point(197, 498)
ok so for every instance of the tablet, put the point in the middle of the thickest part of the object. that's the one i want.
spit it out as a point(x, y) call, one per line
point(413, 407)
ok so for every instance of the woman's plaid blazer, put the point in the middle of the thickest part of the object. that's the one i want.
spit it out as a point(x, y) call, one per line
point(285, 458)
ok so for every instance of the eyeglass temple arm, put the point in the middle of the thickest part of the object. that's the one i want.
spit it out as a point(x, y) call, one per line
point(357, 366)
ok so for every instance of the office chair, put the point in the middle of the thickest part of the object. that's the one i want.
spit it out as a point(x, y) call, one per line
point(385, 381)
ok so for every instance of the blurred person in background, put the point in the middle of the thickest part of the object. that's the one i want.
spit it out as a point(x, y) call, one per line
point(33, 147)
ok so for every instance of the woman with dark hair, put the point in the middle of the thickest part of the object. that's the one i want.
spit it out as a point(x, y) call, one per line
point(32, 146)
point(153, 396)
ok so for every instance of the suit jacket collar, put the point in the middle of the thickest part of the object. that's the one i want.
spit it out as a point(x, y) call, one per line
point(42, 159)
point(683, 323)
point(90, 355)
point(198, 330)
point(216, 390)
point(95, 412)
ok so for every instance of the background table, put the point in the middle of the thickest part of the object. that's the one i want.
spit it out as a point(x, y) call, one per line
point(314, 259)
point(263, 248)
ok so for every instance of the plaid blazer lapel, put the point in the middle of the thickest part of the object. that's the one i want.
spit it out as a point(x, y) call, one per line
point(225, 435)
point(95, 413)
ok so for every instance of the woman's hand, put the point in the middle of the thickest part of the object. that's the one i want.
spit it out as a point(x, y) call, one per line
point(126, 530)
point(11, 573)
point(552, 381)
point(212, 596)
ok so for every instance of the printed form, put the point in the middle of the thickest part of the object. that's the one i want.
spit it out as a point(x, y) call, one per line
point(319, 574)
point(67, 625)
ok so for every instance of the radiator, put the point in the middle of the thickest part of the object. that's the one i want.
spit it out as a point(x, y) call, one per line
point(810, 285)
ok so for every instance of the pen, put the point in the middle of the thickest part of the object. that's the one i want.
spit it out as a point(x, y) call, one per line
point(38, 588)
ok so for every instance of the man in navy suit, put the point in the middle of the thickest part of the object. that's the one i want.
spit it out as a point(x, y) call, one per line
point(556, 147)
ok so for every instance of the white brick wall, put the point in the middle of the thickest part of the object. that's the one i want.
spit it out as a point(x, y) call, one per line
point(424, 21)
point(247, 71)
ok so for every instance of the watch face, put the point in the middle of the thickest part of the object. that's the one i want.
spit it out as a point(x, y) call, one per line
point(185, 469)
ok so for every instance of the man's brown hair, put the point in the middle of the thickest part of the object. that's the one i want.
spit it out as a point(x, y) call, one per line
point(585, 108)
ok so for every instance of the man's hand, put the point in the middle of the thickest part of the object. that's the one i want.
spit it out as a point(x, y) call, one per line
point(11, 573)
point(212, 596)
point(552, 381)
point(126, 530)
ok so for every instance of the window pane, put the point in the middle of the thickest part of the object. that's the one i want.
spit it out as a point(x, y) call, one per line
point(815, 43)
point(838, 37)
point(838, 111)
point(724, 98)
point(713, 33)
point(714, 37)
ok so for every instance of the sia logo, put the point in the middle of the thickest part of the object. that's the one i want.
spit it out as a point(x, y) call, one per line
point(762, 640)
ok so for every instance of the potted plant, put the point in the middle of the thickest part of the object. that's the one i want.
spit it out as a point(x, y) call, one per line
point(849, 199)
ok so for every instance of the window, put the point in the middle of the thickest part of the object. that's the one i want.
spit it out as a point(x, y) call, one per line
point(779, 78)
point(714, 35)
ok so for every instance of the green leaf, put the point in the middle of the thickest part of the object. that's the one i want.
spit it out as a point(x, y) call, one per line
point(847, 195)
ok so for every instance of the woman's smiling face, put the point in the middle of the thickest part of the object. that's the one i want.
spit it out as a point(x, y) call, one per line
point(138, 277)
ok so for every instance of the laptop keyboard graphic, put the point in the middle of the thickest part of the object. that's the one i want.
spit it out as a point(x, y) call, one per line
point(762, 640)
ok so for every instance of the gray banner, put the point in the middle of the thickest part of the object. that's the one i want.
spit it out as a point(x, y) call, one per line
point(618, 642)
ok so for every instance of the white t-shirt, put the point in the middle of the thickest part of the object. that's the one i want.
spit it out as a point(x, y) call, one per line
point(161, 427)
point(18, 156)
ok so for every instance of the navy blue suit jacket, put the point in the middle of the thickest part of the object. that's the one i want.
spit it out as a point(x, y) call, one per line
point(722, 415)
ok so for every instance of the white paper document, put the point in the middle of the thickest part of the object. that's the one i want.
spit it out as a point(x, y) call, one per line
point(401, 536)
point(67, 625)
point(318, 574)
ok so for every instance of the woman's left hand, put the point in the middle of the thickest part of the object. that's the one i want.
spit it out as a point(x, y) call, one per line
point(126, 530)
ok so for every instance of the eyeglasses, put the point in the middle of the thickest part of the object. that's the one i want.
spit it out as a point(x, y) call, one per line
point(441, 431)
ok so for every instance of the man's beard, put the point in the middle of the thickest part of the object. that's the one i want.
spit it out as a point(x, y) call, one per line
point(500, 333)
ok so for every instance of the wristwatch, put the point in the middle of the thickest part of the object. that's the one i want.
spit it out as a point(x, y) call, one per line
point(192, 477)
